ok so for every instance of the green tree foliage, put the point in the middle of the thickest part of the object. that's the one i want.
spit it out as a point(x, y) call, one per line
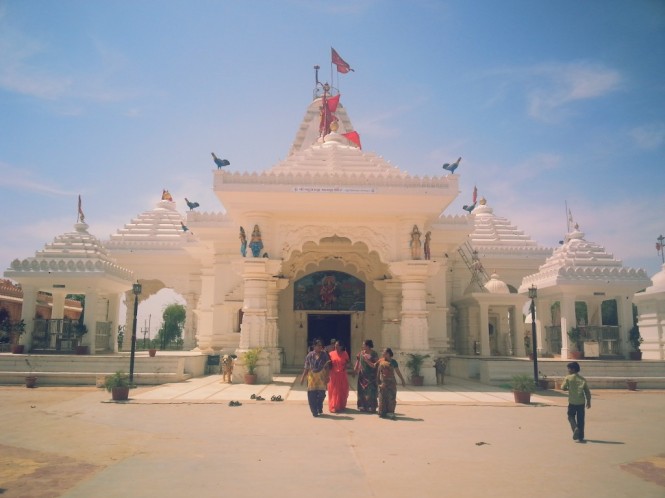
point(174, 322)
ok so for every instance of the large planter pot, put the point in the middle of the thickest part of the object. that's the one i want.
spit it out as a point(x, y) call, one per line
point(632, 385)
point(152, 352)
point(250, 378)
point(523, 397)
point(81, 350)
point(30, 381)
point(575, 355)
point(635, 355)
point(18, 349)
point(120, 393)
point(417, 380)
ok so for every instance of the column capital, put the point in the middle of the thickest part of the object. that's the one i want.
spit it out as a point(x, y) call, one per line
point(415, 270)
point(257, 268)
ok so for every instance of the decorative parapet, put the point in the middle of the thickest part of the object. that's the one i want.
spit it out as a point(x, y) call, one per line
point(54, 265)
point(374, 180)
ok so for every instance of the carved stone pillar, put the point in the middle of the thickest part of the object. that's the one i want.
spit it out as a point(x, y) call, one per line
point(90, 321)
point(256, 274)
point(414, 333)
point(275, 286)
point(390, 292)
point(189, 339)
point(567, 322)
point(484, 330)
point(28, 312)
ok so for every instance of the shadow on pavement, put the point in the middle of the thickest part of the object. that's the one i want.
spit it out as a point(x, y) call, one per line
point(597, 441)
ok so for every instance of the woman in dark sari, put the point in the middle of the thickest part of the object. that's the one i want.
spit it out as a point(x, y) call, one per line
point(366, 362)
point(386, 370)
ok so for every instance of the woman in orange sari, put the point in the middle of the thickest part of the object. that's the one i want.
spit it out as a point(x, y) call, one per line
point(338, 384)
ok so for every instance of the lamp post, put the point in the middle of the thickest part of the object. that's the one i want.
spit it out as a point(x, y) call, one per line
point(659, 247)
point(533, 294)
point(136, 289)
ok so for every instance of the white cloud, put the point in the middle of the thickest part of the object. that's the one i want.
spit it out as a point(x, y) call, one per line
point(17, 74)
point(22, 70)
point(20, 179)
point(551, 89)
point(556, 86)
point(649, 136)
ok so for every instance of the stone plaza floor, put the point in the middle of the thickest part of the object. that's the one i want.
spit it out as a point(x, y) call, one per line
point(462, 439)
point(211, 389)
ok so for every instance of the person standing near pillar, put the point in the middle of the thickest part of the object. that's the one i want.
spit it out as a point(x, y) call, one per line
point(317, 363)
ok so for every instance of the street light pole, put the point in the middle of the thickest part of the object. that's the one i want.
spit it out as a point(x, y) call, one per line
point(533, 294)
point(136, 289)
point(659, 247)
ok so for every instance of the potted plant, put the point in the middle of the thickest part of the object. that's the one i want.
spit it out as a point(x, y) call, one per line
point(30, 380)
point(522, 385)
point(576, 338)
point(250, 359)
point(414, 364)
point(80, 329)
point(152, 352)
point(635, 339)
point(118, 385)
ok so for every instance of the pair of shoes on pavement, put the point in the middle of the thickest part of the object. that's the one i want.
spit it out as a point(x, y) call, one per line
point(235, 403)
point(257, 398)
point(276, 397)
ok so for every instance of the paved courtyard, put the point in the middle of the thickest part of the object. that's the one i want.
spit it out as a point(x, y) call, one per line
point(462, 439)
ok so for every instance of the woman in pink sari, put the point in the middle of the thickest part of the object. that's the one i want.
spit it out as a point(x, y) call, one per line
point(338, 384)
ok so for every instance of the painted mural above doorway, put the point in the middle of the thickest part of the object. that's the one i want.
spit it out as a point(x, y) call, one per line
point(329, 290)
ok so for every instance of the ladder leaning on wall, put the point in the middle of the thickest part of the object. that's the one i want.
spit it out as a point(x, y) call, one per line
point(470, 257)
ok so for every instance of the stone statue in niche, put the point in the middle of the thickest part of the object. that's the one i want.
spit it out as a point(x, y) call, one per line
point(416, 245)
point(243, 242)
point(426, 248)
point(256, 244)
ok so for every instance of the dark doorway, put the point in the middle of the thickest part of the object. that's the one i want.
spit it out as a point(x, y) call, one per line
point(329, 326)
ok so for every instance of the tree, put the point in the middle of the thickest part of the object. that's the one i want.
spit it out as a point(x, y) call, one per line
point(174, 321)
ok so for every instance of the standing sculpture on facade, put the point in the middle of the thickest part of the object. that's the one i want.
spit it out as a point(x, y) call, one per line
point(416, 245)
point(243, 242)
point(256, 244)
point(426, 247)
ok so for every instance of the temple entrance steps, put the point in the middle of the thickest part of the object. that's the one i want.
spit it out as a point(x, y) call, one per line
point(497, 371)
point(72, 370)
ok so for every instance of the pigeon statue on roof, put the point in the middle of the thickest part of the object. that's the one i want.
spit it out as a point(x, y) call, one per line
point(220, 162)
point(191, 205)
point(452, 167)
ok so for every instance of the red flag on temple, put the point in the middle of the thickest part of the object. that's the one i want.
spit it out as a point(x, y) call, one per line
point(658, 246)
point(475, 195)
point(332, 103)
point(353, 136)
point(342, 66)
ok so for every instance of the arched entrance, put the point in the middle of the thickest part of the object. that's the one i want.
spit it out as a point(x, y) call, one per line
point(329, 326)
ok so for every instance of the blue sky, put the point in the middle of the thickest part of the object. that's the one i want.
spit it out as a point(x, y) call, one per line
point(546, 102)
